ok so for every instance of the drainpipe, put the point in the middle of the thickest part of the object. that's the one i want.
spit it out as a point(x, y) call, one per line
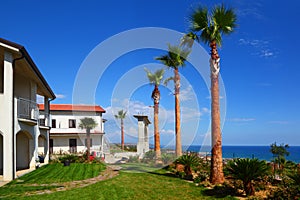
point(13, 118)
point(49, 129)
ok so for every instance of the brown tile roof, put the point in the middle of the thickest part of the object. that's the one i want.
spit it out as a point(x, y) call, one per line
point(71, 107)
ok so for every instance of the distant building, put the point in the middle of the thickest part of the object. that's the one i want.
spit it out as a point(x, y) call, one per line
point(20, 132)
point(67, 137)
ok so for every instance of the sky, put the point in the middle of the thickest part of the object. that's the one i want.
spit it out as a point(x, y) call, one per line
point(98, 51)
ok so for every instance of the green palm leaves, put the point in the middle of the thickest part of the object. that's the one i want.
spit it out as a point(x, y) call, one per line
point(87, 123)
point(121, 114)
point(247, 170)
point(175, 57)
point(156, 77)
point(212, 24)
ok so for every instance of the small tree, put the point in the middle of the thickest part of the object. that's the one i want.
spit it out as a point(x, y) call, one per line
point(88, 124)
point(121, 115)
point(248, 170)
point(279, 153)
point(189, 161)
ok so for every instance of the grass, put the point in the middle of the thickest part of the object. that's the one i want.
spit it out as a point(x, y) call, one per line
point(49, 174)
point(154, 185)
point(57, 173)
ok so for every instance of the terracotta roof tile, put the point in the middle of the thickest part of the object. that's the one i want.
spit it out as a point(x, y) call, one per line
point(71, 107)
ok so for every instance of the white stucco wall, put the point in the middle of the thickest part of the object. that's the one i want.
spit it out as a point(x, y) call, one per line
point(61, 143)
point(1, 153)
point(62, 121)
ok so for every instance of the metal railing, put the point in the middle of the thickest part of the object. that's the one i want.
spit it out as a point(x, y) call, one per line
point(27, 109)
point(45, 120)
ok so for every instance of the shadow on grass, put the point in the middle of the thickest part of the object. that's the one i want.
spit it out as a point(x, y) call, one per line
point(165, 173)
point(220, 192)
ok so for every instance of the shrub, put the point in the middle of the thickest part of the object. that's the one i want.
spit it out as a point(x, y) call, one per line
point(247, 170)
point(167, 158)
point(70, 157)
point(189, 161)
point(133, 159)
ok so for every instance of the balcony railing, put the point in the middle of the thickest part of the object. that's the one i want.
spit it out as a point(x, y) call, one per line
point(45, 120)
point(27, 109)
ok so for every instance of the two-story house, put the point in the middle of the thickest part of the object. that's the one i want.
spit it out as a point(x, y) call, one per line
point(21, 135)
point(66, 136)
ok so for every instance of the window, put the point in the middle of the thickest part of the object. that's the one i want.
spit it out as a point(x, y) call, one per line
point(42, 122)
point(91, 142)
point(53, 123)
point(72, 123)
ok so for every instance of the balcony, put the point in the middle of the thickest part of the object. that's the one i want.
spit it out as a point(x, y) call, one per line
point(27, 111)
point(44, 121)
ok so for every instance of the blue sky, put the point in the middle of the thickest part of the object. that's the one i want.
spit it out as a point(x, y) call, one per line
point(259, 64)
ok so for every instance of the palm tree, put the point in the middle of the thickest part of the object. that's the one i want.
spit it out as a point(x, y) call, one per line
point(209, 28)
point(189, 161)
point(176, 58)
point(156, 78)
point(121, 115)
point(248, 170)
point(88, 124)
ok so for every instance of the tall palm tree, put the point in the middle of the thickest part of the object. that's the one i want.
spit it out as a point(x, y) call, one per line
point(176, 58)
point(156, 79)
point(209, 28)
point(88, 123)
point(121, 115)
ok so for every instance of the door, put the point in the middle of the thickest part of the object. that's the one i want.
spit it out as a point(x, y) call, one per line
point(73, 145)
point(51, 146)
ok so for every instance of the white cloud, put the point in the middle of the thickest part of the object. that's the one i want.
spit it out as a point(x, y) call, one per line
point(261, 47)
point(60, 96)
point(241, 119)
point(187, 94)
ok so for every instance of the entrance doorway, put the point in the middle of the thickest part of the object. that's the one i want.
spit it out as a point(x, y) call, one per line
point(73, 145)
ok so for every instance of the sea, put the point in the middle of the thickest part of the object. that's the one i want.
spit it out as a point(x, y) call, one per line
point(260, 152)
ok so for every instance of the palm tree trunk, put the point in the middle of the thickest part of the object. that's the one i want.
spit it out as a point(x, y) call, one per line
point(122, 134)
point(216, 176)
point(178, 150)
point(88, 143)
point(156, 133)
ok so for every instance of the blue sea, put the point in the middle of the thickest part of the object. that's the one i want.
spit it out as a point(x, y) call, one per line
point(260, 152)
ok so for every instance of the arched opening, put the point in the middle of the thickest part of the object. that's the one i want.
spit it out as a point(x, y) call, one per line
point(42, 148)
point(1, 154)
point(23, 150)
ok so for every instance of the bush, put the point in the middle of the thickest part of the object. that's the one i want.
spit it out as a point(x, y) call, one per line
point(167, 158)
point(133, 159)
point(71, 157)
point(189, 161)
point(248, 170)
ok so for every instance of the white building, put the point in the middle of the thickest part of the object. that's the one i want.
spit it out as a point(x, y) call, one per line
point(66, 136)
point(20, 131)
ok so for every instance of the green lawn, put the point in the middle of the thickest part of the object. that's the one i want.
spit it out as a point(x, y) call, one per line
point(153, 185)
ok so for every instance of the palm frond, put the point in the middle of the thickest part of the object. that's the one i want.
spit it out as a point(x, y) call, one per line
point(156, 77)
point(121, 114)
point(224, 19)
point(199, 19)
point(87, 123)
point(188, 40)
point(167, 80)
